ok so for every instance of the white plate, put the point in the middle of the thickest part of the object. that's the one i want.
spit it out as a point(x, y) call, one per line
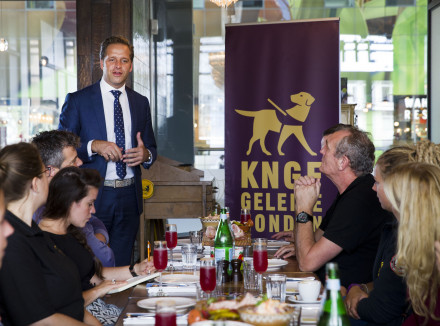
point(277, 243)
point(310, 315)
point(275, 263)
point(297, 299)
point(181, 303)
point(223, 323)
point(180, 278)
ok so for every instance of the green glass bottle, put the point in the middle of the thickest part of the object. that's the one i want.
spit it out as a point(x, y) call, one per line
point(223, 241)
point(334, 313)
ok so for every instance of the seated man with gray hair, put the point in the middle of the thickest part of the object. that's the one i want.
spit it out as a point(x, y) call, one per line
point(350, 230)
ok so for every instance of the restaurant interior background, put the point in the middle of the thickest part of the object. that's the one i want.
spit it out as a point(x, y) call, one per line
point(180, 67)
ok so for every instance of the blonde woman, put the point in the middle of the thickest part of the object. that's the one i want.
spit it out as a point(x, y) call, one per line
point(413, 191)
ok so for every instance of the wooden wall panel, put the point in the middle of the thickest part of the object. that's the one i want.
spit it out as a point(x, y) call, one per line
point(97, 20)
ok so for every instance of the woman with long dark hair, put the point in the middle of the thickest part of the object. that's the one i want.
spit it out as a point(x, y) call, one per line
point(70, 203)
point(38, 283)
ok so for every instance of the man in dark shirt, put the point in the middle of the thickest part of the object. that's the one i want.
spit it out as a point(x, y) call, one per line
point(350, 231)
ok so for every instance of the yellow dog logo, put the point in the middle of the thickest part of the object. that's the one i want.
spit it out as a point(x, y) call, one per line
point(266, 120)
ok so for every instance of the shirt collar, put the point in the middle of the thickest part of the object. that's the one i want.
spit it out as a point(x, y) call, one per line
point(106, 88)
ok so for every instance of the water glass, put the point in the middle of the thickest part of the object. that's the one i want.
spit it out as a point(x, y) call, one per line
point(250, 276)
point(219, 276)
point(189, 256)
point(248, 251)
point(165, 313)
point(276, 287)
point(196, 238)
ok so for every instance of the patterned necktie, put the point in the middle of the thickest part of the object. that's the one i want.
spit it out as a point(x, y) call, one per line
point(119, 133)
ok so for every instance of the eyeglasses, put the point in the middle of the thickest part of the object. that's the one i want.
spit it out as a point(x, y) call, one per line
point(47, 171)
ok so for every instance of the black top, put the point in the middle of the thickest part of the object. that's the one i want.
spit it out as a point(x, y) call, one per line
point(36, 278)
point(82, 258)
point(354, 222)
point(386, 304)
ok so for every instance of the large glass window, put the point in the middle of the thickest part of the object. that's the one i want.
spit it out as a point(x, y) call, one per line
point(382, 52)
point(38, 68)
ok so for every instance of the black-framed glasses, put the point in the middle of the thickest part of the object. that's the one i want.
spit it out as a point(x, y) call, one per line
point(47, 171)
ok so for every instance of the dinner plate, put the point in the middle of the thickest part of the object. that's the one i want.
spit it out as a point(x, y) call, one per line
point(223, 323)
point(310, 315)
point(297, 299)
point(180, 278)
point(277, 243)
point(181, 303)
point(275, 263)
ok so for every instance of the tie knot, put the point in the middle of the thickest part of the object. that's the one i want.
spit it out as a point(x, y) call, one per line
point(116, 94)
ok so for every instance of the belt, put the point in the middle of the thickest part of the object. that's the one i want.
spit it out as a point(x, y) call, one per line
point(118, 183)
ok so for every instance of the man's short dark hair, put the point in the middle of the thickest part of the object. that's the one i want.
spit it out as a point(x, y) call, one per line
point(358, 148)
point(51, 143)
point(115, 40)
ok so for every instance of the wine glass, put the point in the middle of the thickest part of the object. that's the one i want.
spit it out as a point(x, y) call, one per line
point(171, 237)
point(160, 258)
point(260, 259)
point(245, 215)
point(207, 275)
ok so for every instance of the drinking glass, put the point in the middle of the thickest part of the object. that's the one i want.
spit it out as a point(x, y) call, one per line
point(245, 215)
point(260, 259)
point(276, 287)
point(165, 313)
point(207, 275)
point(171, 237)
point(189, 256)
point(160, 258)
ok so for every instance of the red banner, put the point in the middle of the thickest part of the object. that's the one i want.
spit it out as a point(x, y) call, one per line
point(282, 91)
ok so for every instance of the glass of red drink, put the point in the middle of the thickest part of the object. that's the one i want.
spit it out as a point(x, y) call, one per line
point(160, 259)
point(207, 275)
point(165, 313)
point(245, 215)
point(171, 237)
point(260, 259)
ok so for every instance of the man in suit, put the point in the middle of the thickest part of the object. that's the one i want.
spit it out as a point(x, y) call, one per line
point(114, 124)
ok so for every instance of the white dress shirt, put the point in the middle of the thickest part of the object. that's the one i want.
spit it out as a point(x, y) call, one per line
point(108, 100)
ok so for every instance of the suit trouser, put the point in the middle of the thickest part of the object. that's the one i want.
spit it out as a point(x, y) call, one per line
point(117, 209)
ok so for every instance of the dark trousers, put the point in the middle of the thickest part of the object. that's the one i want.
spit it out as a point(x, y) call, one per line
point(117, 209)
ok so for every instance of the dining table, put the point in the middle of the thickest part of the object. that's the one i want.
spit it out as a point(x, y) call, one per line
point(128, 299)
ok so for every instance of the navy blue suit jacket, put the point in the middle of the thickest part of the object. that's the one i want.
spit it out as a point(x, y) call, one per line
point(83, 114)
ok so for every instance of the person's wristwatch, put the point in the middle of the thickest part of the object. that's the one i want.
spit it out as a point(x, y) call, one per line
point(131, 269)
point(303, 217)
